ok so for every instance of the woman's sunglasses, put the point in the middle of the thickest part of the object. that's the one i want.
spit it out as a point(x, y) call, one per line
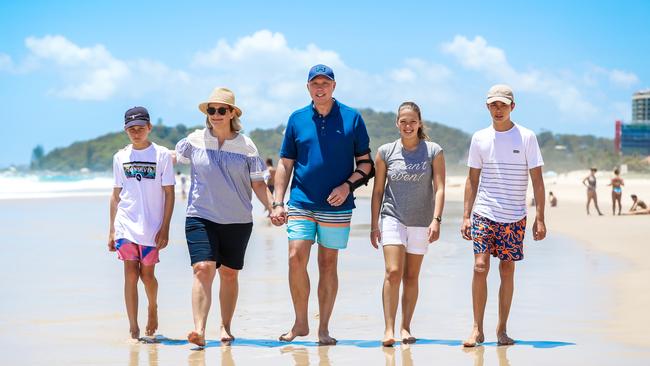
point(221, 110)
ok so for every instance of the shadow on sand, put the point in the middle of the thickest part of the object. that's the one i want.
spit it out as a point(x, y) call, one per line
point(271, 343)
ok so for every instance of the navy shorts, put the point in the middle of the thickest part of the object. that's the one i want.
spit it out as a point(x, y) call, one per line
point(221, 243)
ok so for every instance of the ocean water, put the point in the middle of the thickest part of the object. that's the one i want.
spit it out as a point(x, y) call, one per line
point(15, 185)
point(62, 304)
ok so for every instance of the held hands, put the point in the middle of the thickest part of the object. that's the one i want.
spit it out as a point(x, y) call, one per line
point(539, 229)
point(375, 237)
point(433, 231)
point(162, 238)
point(111, 241)
point(466, 229)
point(339, 195)
point(278, 216)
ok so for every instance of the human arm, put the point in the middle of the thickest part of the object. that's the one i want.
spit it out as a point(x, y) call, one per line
point(379, 185)
point(114, 201)
point(471, 188)
point(282, 174)
point(263, 194)
point(539, 192)
point(339, 194)
point(162, 236)
point(584, 181)
point(439, 174)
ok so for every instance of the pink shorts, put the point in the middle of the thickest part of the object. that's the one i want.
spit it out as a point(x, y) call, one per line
point(128, 251)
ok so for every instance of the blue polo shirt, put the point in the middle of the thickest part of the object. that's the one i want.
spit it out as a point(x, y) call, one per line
point(323, 149)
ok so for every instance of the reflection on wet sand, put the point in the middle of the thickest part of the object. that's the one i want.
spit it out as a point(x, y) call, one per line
point(389, 355)
point(301, 355)
point(479, 351)
point(151, 350)
point(197, 358)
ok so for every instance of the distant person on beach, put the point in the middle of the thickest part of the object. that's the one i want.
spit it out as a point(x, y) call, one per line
point(270, 180)
point(590, 183)
point(552, 199)
point(638, 207)
point(322, 144)
point(226, 169)
point(182, 178)
point(411, 213)
point(617, 191)
point(500, 159)
point(140, 212)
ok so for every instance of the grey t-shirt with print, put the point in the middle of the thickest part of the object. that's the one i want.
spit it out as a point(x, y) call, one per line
point(408, 196)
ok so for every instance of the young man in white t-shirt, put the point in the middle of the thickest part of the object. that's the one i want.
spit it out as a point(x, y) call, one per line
point(140, 212)
point(501, 157)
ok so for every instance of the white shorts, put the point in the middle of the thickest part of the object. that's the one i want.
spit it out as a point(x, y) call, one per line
point(414, 238)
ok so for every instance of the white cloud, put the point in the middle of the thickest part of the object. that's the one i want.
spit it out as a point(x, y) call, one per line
point(90, 73)
point(623, 78)
point(93, 73)
point(269, 77)
point(6, 63)
point(477, 55)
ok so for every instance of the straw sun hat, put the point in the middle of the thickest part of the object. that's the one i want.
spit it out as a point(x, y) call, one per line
point(223, 96)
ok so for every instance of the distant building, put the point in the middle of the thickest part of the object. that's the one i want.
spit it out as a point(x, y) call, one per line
point(634, 138)
point(641, 107)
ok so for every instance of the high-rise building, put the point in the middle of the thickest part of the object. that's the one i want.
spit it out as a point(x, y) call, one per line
point(634, 138)
point(641, 107)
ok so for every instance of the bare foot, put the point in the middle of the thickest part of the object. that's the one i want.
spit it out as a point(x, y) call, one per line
point(324, 339)
point(389, 339)
point(226, 337)
point(135, 332)
point(504, 340)
point(407, 338)
point(152, 322)
point(196, 338)
point(293, 333)
point(476, 338)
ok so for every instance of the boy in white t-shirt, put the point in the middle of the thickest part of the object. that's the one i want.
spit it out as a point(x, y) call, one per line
point(501, 157)
point(140, 212)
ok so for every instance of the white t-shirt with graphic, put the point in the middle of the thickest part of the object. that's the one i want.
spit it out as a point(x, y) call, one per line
point(141, 174)
point(505, 159)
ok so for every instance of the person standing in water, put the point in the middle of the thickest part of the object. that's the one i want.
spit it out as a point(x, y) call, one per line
point(406, 211)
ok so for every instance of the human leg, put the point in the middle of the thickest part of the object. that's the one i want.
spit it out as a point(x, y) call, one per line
point(147, 275)
point(394, 264)
point(479, 298)
point(595, 199)
point(204, 273)
point(412, 267)
point(328, 285)
point(131, 276)
point(506, 290)
point(299, 286)
point(228, 293)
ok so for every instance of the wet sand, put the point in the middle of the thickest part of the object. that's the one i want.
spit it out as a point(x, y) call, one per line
point(62, 301)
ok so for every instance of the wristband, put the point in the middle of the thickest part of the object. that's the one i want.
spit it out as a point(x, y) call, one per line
point(277, 204)
point(350, 184)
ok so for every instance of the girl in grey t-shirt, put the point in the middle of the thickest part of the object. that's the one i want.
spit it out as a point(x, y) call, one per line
point(407, 202)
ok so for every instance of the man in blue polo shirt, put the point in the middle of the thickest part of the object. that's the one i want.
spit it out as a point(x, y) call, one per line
point(322, 144)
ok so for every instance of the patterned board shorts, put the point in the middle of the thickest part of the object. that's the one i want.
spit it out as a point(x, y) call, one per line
point(502, 240)
point(128, 251)
point(330, 229)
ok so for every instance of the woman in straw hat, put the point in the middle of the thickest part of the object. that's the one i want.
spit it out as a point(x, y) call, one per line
point(226, 168)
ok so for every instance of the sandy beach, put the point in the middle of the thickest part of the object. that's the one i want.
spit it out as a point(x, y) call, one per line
point(579, 298)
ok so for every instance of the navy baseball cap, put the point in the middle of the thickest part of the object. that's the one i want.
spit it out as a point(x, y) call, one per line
point(136, 116)
point(319, 70)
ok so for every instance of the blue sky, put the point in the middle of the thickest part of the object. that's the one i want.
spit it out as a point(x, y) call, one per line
point(69, 70)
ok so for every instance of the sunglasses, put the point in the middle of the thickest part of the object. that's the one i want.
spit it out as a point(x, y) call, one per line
point(221, 110)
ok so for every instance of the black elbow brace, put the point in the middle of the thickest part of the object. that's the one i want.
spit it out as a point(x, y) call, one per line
point(365, 178)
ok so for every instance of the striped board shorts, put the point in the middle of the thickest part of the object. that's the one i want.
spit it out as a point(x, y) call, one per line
point(331, 229)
